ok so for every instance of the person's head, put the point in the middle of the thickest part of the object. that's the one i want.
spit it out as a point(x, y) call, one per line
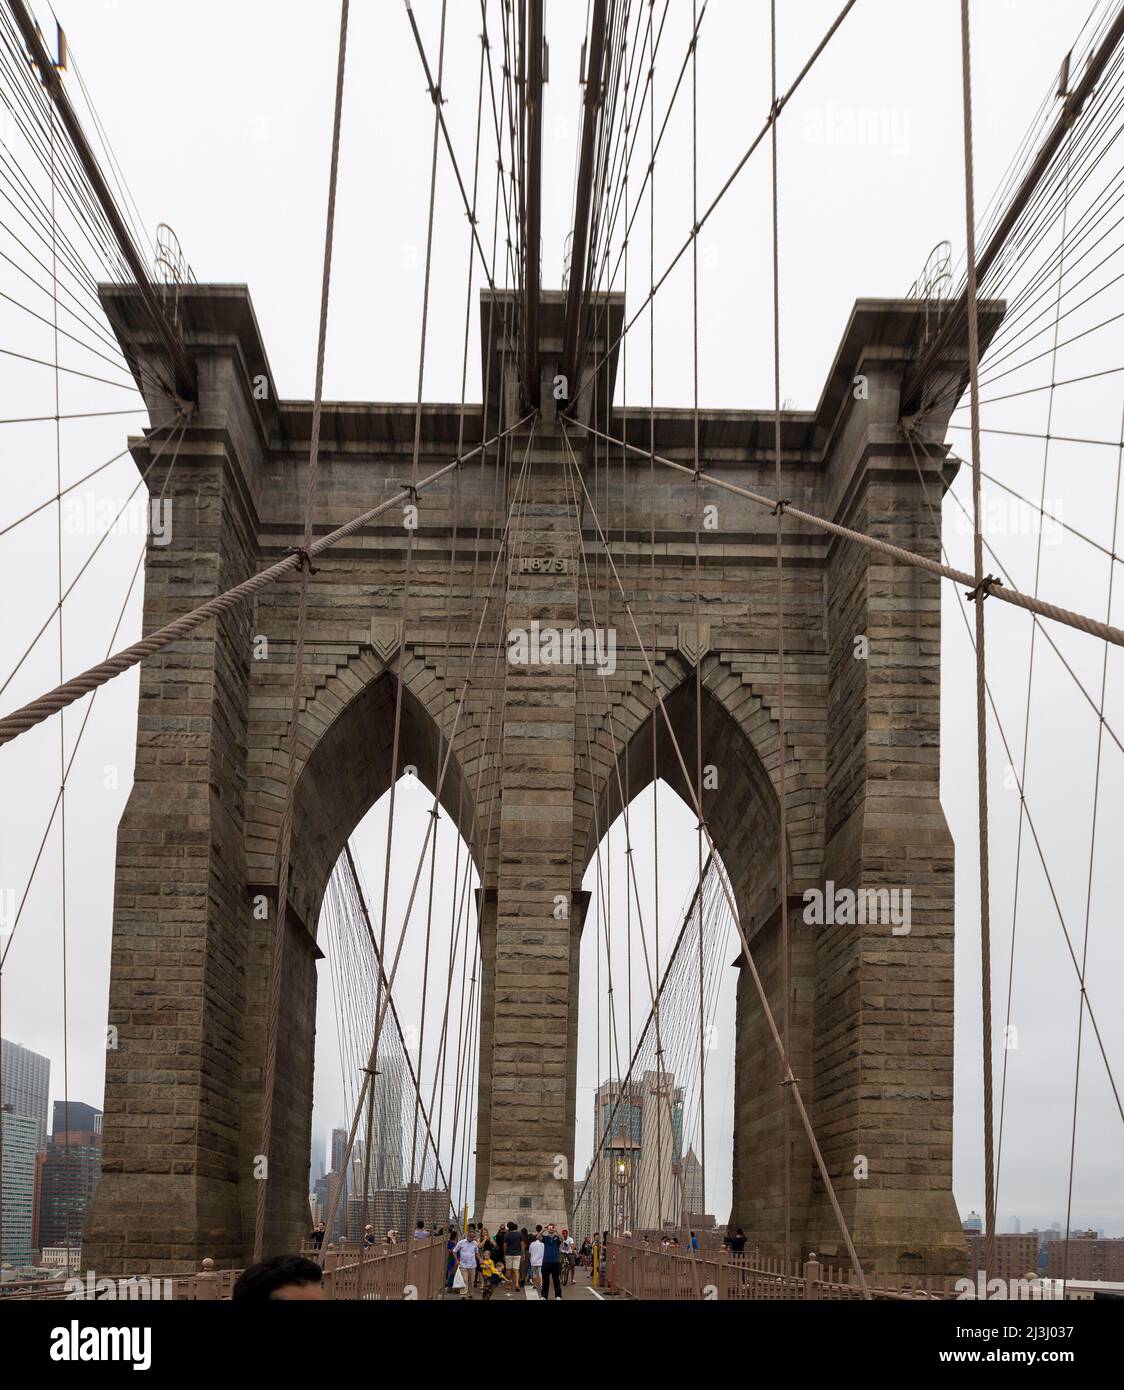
point(551, 1229)
point(320, 1225)
point(420, 1225)
point(739, 1232)
point(538, 1230)
point(282, 1278)
point(511, 1226)
point(368, 1228)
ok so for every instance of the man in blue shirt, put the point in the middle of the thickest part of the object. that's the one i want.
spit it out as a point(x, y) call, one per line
point(551, 1261)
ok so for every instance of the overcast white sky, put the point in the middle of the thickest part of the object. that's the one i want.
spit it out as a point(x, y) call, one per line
point(220, 116)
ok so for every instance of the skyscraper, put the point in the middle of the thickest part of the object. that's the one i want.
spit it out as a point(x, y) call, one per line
point(26, 1084)
point(691, 1188)
point(337, 1185)
point(76, 1117)
point(19, 1134)
point(319, 1165)
point(68, 1173)
point(635, 1180)
point(387, 1138)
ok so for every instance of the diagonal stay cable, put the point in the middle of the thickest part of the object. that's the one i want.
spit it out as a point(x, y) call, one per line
point(89, 558)
point(81, 731)
point(790, 1080)
point(431, 821)
point(1089, 881)
point(437, 98)
point(27, 717)
point(1032, 827)
point(280, 923)
point(85, 478)
point(1005, 572)
point(1081, 621)
point(773, 115)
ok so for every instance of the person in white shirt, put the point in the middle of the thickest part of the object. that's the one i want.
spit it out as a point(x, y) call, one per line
point(538, 1249)
point(465, 1252)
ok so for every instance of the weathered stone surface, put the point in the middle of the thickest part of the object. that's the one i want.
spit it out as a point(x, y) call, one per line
point(537, 758)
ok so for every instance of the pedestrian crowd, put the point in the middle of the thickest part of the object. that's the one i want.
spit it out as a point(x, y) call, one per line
point(514, 1259)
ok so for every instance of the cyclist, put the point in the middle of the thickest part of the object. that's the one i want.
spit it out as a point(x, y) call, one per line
point(569, 1258)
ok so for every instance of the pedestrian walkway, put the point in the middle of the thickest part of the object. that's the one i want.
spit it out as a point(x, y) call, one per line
point(582, 1292)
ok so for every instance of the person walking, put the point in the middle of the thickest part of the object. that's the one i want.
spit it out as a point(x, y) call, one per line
point(513, 1254)
point(525, 1265)
point(551, 1242)
point(489, 1250)
point(450, 1259)
point(536, 1252)
point(466, 1263)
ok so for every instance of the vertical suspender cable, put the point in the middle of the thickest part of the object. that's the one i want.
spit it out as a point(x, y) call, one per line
point(981, 696)
point(698, 587)
point(279, 925)
point(782, 848)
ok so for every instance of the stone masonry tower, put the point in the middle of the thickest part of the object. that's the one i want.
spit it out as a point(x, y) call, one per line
point(528, 784)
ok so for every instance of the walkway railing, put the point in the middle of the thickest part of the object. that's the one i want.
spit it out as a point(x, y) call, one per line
point(644, 1272)
point(390, 1272)
point(412, 1271)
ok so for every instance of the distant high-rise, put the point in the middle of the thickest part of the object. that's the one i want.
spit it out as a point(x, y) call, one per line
point(75, 1116)
point(1016, 1225)
point(973, 1222)
point(691, 1188)
point(319, 1165)
point(68, 1174)
point(339, 1148)
point(387, 1138)
point(636, 1178)
point(26, 1084)
point(337, 1181)
point(20, 1137)
point(384, 1172)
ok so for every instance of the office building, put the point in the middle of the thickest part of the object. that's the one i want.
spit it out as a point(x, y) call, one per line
point(20, 1136)
point(26, 1083)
